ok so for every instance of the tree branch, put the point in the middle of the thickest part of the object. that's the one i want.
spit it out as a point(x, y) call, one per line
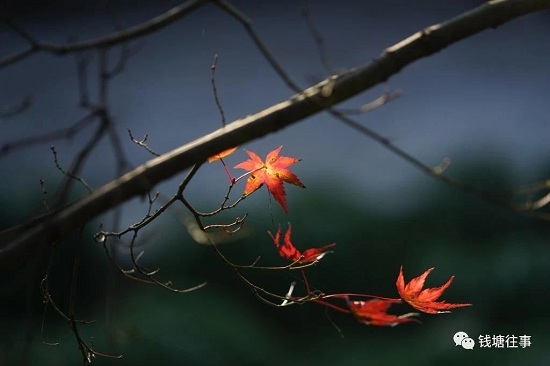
point(128, 34)
point(18, 241)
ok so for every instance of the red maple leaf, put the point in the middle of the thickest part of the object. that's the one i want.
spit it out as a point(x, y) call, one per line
point(273, 173)
point(288, 250)
point(374, 312)
point(221, 154)
point(424, 299)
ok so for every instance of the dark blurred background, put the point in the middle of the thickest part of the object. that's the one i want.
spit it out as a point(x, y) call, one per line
point(481, 102)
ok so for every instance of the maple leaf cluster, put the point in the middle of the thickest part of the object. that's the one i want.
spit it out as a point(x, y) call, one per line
point(374, 311)
point(273, 173)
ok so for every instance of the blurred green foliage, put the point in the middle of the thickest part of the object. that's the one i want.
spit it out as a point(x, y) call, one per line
point(500, 259)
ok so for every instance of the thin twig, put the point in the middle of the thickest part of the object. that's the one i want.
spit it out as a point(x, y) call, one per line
point(215, 89)
point(19, 108)
point(87, 351)
point(247, 24)
point(63, 133)
point(385, 98)
point(489, 196)
point(142, 143)
point(68, 174)
point(319, 40)
point(150, 274)
point(103, 76)
point(230, 228)
point(83, 60)
point(80, 159)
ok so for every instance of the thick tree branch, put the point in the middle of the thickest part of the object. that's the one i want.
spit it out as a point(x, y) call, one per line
point(19, 241)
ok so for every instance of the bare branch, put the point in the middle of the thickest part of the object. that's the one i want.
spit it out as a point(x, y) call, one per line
point(215, 89)
point(247, 24)
point(142, 143)
point(385, 98)
point(69, 174)
point(319, 40)
point(22, 106)
point(131, 33)
point(63, 133)
point(82, 62)
point(80, 159)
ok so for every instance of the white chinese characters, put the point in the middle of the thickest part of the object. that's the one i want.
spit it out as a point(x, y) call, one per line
point(504, 341)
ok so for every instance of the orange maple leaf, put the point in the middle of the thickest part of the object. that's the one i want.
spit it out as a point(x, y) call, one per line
point(424, 300)
point(374, 312)
point(222, 154)
point(288, 250)
point(273, 173)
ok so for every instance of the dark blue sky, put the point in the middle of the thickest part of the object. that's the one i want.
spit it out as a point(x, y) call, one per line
point(483, 98)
